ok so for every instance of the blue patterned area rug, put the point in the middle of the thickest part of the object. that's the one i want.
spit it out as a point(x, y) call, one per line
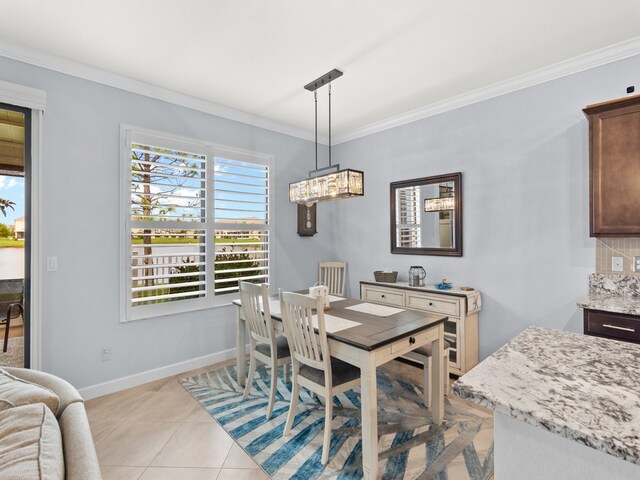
point(410, 446)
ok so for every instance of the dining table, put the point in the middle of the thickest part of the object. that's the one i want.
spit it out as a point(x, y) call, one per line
point(368, 335)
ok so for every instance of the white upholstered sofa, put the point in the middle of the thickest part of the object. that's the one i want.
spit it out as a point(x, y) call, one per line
point(44, 430)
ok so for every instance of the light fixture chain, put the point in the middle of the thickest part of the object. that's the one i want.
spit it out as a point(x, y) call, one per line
point(315, 97)
point(329, 124)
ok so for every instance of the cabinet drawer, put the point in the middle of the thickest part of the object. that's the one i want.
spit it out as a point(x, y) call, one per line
point(405, 345)
point(430, 303)
point(612, 325)
point(383, 296)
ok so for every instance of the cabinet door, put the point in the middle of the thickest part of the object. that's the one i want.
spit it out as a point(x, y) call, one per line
point(615, 168)
point(451, 335)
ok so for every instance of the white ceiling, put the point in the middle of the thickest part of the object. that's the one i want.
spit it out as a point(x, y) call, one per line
point(255, 55)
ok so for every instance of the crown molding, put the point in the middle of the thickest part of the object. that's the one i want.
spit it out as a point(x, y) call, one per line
point(577, 64)
point(87, 72)
point(613, 53)
point(22, 96)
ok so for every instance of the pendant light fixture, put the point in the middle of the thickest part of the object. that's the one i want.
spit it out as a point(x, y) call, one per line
point(443, 202)
point(439, 204)
point(328, 183)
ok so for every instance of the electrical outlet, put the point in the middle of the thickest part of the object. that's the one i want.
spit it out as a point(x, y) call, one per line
point(617, 264)
point(106, 353)
point(636, 264)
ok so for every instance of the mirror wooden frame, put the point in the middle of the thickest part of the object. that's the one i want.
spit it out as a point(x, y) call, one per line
point(456, 251)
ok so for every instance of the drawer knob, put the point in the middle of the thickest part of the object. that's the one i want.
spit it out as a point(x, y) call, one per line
point(431, 304)
point(412, 340)
point(382, 295)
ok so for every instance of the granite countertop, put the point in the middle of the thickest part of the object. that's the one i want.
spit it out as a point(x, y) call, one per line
point(582, 387)
point(613, 293)
point(611, 303)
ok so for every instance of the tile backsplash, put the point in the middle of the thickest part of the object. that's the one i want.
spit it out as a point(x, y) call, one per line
point(627, 248)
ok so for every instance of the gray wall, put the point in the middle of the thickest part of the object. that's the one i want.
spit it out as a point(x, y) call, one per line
point(525, 181)
point(80, 191)
point(524, 159)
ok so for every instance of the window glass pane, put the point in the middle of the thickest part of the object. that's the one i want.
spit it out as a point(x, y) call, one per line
point(241, 192)
point(167, 185)
point(240, 255)
point(167, 265)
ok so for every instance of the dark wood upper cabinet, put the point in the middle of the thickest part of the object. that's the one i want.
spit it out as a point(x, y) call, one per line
point(614, 167)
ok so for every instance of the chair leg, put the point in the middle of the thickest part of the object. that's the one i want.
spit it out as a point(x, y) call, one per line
point(252, 371)
point(328, 417)
point(294, 401)
point(274, 386)
point(6, 331)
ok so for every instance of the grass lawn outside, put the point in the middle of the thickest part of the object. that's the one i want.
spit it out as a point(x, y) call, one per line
point(11, 243)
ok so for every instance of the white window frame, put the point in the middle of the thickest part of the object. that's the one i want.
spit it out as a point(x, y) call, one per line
point(132, 134)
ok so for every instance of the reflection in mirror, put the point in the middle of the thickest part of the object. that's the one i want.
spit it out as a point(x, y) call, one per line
point(426, 216)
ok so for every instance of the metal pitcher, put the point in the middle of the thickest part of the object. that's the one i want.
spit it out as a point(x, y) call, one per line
point(417, 274)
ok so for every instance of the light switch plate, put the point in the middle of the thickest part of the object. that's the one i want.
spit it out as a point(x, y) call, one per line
point(617, 264)
point(52, 264)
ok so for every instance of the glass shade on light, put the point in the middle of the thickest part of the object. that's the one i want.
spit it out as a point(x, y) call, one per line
point(439, 204)
point(332, 186)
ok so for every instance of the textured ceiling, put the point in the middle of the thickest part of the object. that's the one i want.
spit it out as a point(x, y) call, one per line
point(255, 56)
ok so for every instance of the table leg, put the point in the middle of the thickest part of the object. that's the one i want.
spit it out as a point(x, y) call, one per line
point(241, 344)
point(437, 377)
point(369, 412)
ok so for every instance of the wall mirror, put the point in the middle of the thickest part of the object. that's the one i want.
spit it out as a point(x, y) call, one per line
point(426, 216)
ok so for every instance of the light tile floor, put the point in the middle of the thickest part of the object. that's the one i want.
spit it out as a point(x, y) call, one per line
point(157, 431)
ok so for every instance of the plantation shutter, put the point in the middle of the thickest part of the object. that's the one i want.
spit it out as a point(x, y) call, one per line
point(167, 225)
point(197, 220)
point(242, 221)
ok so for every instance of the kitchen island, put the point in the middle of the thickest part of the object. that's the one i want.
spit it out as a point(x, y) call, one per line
point(566, 406)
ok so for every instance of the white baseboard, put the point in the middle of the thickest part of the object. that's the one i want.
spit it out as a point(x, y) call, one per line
point(141, 378)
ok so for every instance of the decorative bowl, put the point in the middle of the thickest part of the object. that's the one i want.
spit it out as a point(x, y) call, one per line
point(444, 285)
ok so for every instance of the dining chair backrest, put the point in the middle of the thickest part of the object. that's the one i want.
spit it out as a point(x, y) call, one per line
point(333, 275)
point(255, 306)
point(306, 346)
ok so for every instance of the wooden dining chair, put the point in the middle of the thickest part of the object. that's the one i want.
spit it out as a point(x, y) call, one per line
point(333, 275)
point(265, 345)
point(313, 366)
point(423, 355)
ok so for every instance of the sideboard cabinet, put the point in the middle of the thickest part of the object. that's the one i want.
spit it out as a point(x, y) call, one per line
point(461, 328)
